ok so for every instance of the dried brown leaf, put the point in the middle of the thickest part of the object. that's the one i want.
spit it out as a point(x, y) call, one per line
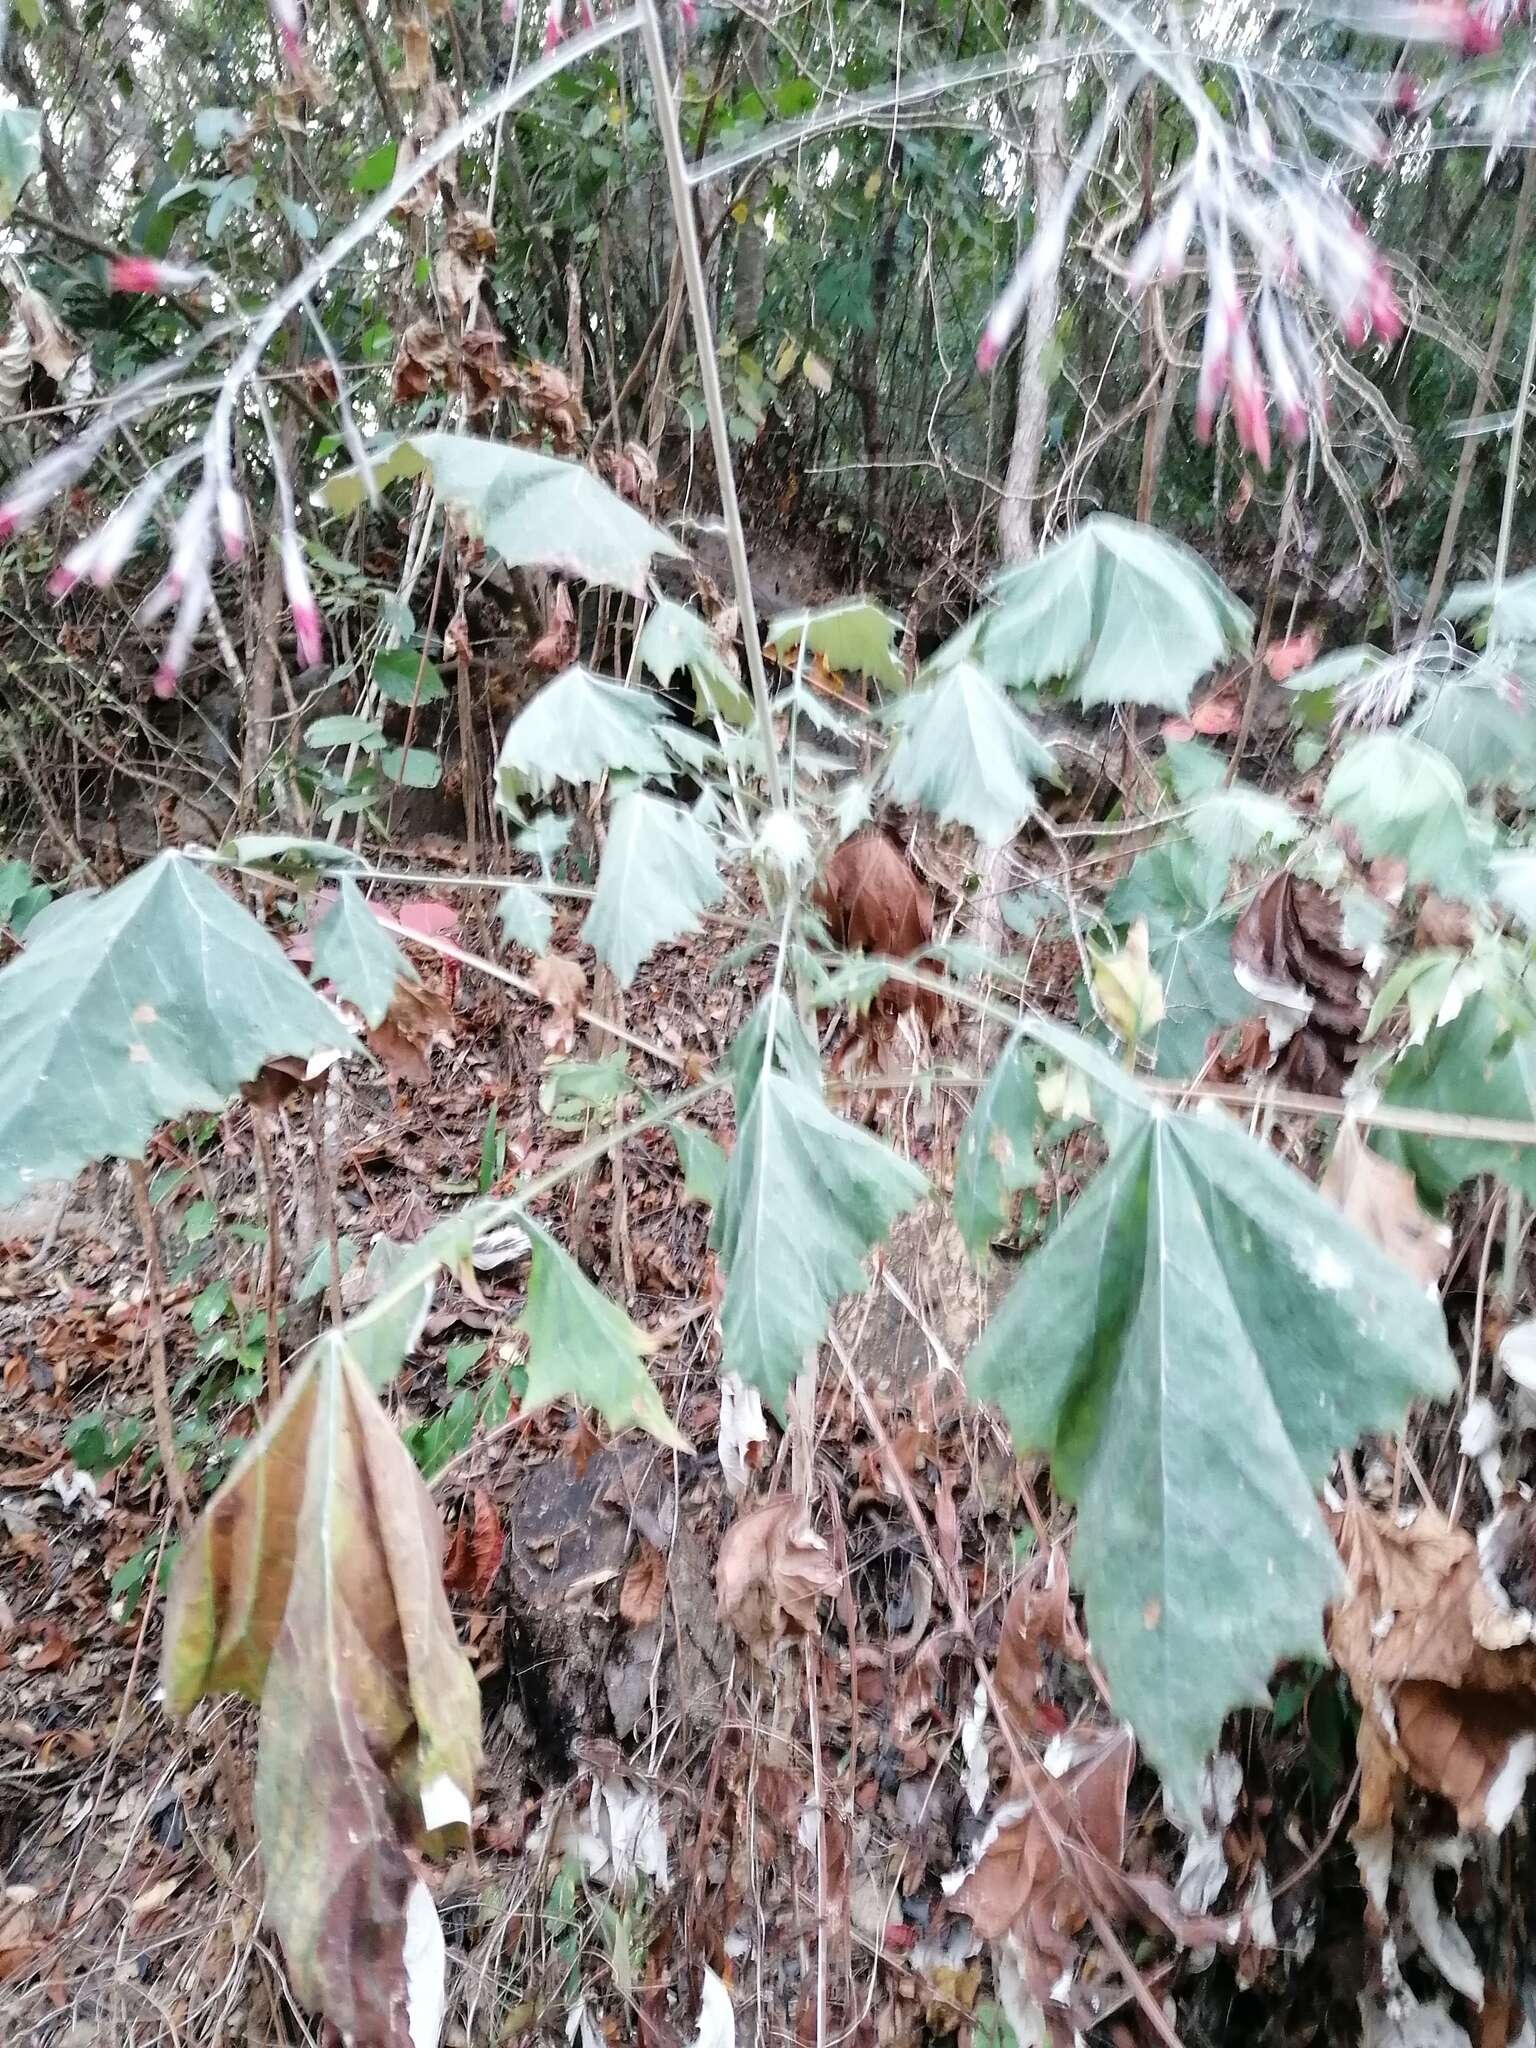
point(313, 1584)
point(422, 361)
point(1038, 1618)
point(417, 1019)
point(772, 1571)
point(562, 983)
point(415, 55)
point(484, 373)
point(1419, 1638)
point(474, 1556)
point(557, 646)
point(644, 1586)
point(1381, 1199)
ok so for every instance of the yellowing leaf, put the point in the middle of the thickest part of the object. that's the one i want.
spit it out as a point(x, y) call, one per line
point(816, 373)
point(872, 184)
point(313, 1584)
point(1129, 993)
point(740, 212)
point(784, 361)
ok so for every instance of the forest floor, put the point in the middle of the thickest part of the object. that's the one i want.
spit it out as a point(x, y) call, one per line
point(675, 1774)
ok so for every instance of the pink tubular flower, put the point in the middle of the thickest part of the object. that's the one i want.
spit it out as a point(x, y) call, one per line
point(148, 274)
point(305, 613)
point(189, 616)
point(1212, 381)
point(689, 12)
point(1283, 377)
point(1250, 409)
point(38, 486)
point(289, 18)
point(554, 24)
point(1386, 314)
point(231, 521)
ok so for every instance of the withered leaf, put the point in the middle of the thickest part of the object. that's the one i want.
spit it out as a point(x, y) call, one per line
point(422, 361)
point(644, 1587)
point(871, 899)
point(1288, 946)
point(312, 1584)
point(1038, 1618)
point(415, 54)
point(417, 1019)
point(772, 1572)
point(1381, 1199)
point(562, 983)
point(557, 646)
point(474, 1556)
point(484, 373)
point(1420, 1639)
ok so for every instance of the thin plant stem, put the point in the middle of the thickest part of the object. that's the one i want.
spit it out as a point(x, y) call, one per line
point(159, 1375)
point(709, 378)
point(262, 1133)
point(326, 1187)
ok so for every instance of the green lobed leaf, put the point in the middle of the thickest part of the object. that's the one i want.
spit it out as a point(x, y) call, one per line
point(1509, 607)
point(526, 917)
point(135, 1006)
point(674, 638)
point(1480, 1063)
point(1405, 798)
point(1189, 948)
point(703, 1162)
point(357, 956)
point(1191, 1348)
point(1123, 614)
point(534, 510)
point(964, 753)
point(996, 1157)
point(858, 637)
point(659, 874)
point(578, 728)
point(582, 1347)
point(403, 675)
point(806, 1197)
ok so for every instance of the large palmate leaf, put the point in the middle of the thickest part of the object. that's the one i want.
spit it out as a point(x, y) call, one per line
point(355, 954)
point(1481, 1063)
point(1226, 822)
point(996, 1156)
point(1509, 607)
point(1405, 798)
point(579, 728)
point(534, 510)
point(659, 874)
point(965, 754)
point(857, 638)
point(1483, 723)
point(312, 1584)
point(135, 1006)
point(582, 1347)
point(806, 1197)
point(1123, 615)
point(1189, 949)
point(1191, 1347)
point(674, 638)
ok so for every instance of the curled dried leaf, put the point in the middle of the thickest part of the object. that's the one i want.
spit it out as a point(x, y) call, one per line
point(474, 1556)
point(1447, 1688)
point(644, 1587)
point(562, 983)
point(1381, 1199)
point(773, 1571)
point(559, 643)
point(418, 1018)
point(313, 1585)
point(422, 361)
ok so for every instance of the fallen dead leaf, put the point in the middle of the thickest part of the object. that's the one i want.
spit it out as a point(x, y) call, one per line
point(1038, 1618)
point(644, 1587)
point(1445, 1680)
point(561, 982)
point(772, 1572)
point(474, 1556)
point(1381, 1199)
point(872, 901)
point(422, 361)
point(416, 1020)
